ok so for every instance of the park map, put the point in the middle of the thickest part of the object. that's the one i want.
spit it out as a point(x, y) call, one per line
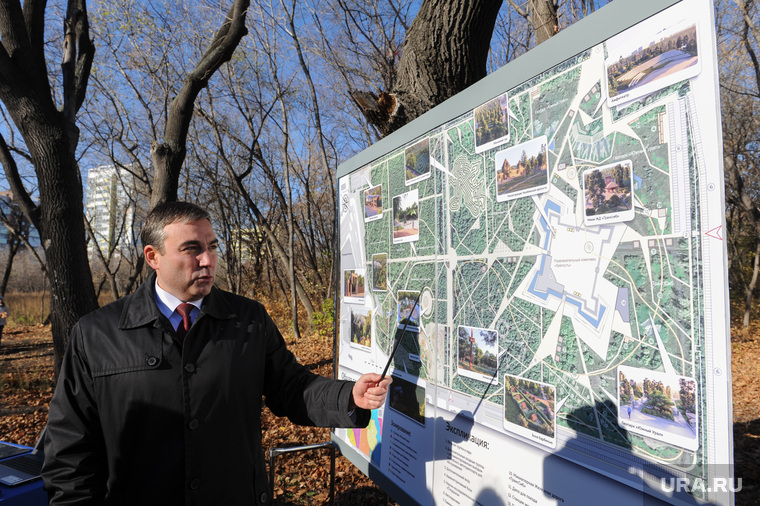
point(552, 241)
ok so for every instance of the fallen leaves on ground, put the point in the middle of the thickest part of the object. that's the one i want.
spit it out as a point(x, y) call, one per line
point(26, 381)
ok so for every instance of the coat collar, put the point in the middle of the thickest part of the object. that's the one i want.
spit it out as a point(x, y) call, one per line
point(140, 308)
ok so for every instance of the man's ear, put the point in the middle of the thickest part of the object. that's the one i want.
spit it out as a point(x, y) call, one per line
point(151, 255)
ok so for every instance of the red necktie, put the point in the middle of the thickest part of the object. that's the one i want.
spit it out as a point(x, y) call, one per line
point(184, 311)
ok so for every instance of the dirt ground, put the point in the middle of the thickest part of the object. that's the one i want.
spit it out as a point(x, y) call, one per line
point(26, 383)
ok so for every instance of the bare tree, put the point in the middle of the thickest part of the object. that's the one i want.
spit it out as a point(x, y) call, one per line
point(51, 136)
point(738, 43)
point(169, 154)
point(268, 163)
point(147, 90)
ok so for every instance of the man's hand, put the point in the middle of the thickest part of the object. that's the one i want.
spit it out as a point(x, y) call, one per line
point(368, 393)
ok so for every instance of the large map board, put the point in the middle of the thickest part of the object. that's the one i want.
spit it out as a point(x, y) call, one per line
point(561, 225)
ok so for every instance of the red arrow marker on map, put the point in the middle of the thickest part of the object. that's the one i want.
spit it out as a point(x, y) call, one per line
point(715, 233)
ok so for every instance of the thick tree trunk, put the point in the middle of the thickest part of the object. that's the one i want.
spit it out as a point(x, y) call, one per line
point(63, 238)
point(445, 51)
point(59, 220)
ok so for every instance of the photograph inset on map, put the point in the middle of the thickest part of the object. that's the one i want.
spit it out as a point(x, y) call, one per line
point(407, 397)
point(522, 170)
point(608, 193)
point(417, 161)
point(660, 52)
point(491, 123)
point(408, 311)
point(373, 203)
point(361, 327)
point(477, 353)
point(406, 217)
point(353, 285)
point(529, 409)
point(380, 272)
point(658, 405)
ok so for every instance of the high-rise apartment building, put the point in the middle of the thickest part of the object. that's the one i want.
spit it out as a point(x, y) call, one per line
point(116, 205)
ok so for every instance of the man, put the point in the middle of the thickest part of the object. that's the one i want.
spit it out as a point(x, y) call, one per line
point(142, 415)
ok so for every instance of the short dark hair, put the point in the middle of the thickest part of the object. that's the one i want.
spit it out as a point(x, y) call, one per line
point(166, 214)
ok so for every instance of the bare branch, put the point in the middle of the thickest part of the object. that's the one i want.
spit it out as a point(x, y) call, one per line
point(169, 155)
point(29, 208)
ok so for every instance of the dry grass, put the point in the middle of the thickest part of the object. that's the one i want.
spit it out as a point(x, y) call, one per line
point(27, 308)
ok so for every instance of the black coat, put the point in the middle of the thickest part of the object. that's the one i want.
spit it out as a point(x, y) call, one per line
point(138, 418)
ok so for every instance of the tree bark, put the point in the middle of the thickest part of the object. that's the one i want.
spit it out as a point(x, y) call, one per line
point(445, 51)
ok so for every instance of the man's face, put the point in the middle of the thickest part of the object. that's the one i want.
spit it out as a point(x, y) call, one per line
point(187, 266)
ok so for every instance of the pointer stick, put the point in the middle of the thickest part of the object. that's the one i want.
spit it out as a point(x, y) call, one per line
point(403, 330)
